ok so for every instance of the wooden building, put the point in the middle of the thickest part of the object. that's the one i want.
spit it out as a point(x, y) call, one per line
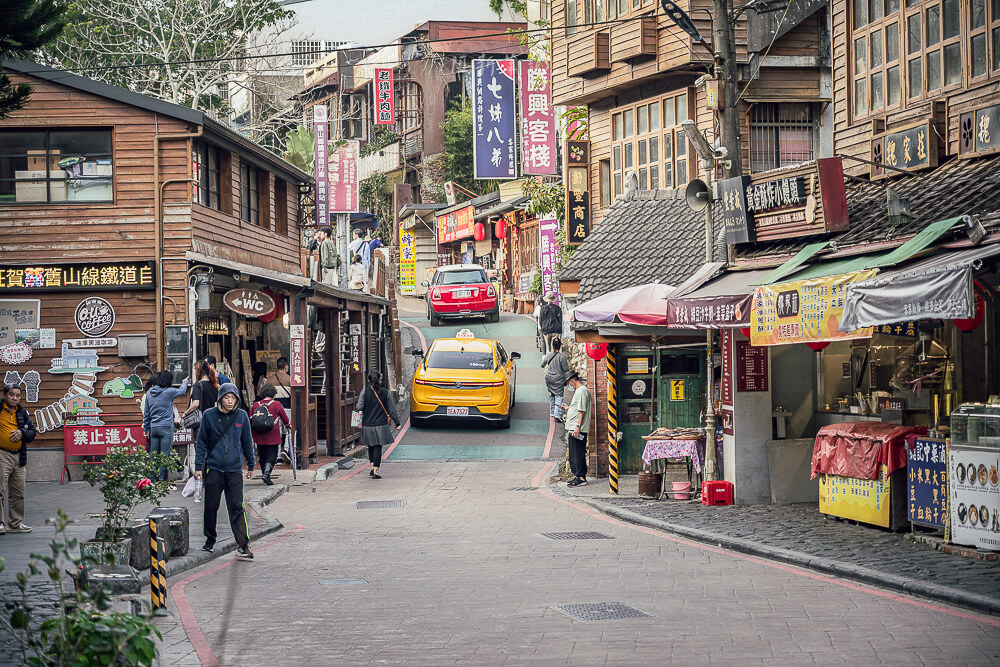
point(124, 221)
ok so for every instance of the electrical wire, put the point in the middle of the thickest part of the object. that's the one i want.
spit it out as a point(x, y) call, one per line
point(767, 51)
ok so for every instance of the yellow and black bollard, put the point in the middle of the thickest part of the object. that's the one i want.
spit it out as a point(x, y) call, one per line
point(612, 420)
point(157, 570)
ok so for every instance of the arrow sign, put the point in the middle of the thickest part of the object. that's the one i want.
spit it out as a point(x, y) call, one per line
point(248, 302)
point(297, 348)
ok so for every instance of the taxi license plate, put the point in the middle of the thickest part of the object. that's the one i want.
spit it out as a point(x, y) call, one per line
point(458, 412)
point(462, 293)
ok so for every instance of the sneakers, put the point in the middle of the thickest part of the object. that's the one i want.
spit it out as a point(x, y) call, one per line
point(209, 546)
point(579, 481)
point(244, 553)
point(23, 528)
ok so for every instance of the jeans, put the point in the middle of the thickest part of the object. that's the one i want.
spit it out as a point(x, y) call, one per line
point(161, 439)
point(577, 454)
point(555, 405)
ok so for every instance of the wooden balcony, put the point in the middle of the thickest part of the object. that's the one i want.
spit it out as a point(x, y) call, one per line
point(589, 53)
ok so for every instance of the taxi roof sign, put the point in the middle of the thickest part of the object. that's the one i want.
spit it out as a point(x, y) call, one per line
point(465, 333)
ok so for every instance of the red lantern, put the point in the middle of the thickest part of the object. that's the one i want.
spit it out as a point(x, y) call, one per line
point(279, 307)
point(480, 231)
point(501, 228)
point(745, 331)
point(817, 346)
point(597, 351)
point(971, 323)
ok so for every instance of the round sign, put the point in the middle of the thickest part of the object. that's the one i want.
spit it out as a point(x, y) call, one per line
point(639, 387)
point(95, 317)
point(249, 302)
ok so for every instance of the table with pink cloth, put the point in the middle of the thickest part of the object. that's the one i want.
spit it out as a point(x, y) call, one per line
point(675, 449)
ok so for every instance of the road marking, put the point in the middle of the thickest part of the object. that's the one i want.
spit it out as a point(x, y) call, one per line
point(548, 439)
point(761, 561)
point(197, 638)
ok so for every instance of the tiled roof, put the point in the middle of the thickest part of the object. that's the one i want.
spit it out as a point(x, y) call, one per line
point(958, 187)
point(646, 236)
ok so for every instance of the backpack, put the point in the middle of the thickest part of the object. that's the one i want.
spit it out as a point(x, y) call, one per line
point(261, 421)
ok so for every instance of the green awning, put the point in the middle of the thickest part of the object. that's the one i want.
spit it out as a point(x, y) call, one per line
point(917, 244)
point(801, 257)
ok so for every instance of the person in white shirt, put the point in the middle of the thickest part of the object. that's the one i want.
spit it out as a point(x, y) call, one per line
point(578, 414)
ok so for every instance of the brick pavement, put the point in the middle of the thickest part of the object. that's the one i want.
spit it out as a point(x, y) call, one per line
point(461, 575)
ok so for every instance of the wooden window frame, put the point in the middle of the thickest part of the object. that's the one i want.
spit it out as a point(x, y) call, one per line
point(249, 194)
point(867, 77)
point(571, 10)
point(649, 149)
point(990, 31)
point(280, 206)
point(264, 197)
point(208, 188)
point(51, 175)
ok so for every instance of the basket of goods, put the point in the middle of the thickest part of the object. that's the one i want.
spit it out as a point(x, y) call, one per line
point(676, 434)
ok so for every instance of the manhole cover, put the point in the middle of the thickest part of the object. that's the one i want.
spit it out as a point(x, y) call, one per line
point(340, 582)
point(601, 611)
point(577, 536)
point(523, 488)
point(379, 504)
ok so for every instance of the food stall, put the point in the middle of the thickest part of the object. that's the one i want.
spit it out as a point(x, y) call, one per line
point(974, 479)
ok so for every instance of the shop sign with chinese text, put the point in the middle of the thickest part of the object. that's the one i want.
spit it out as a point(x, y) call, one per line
point(974, 496)
point(538, 126)
point(90, 277)
point(712, 312)
point(912, 148)
point(979, 132)
point(803, 310)
point(927, 479)
point(864, 500)
point(577, 191)
point(80, 440)
point(494, 127)
point(320, 161)
point(297, 352)
point(385, 97)
point(407, 261)
point(344, 179)
point(456, 225)
point(801, 201)
point(547, 228)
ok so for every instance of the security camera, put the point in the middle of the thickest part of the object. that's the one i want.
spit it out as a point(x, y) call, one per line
point(719, 152)
point(699, 81)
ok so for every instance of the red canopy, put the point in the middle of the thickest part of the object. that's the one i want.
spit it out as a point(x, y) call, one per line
point(858, 449)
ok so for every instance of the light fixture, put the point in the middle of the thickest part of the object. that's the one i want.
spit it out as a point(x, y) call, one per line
point(203, 290)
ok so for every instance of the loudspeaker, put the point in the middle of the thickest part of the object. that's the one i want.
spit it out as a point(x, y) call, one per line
point(697, 195)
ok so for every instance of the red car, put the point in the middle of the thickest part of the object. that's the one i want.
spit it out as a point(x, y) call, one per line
point(460, 291)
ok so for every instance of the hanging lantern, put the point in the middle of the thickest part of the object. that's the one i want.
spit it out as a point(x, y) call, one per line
point(971, 323)
point(279, 307)
point(597, 351)
point(817, 345)
point(480, 231)
point(501, 228)
point(745, 331)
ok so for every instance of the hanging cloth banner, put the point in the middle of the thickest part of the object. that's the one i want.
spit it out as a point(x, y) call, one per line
point(320, 164)
point(385, 97)
point(538, 126)
point(921, 295)
point(804, 311)
point(709, 312)
point(494, 128)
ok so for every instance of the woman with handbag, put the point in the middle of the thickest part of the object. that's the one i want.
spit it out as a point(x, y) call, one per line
point(377, 412)
point(267, 412)
point(204, 396)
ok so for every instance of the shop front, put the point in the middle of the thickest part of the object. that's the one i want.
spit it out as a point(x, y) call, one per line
point(455, 230)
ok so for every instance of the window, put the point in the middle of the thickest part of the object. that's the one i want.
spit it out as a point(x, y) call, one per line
point(875, 50)
point(460, 277)
point(460, 359)
point(984, 37)
point(249, 194)
point(780, 135)
point(206, 175)
point(413, 106)
point(593, 11)
point(280, 206)
point(647, 138)
point(308, 52)
point(572, 17)
point(605, 169)
point(48, 166)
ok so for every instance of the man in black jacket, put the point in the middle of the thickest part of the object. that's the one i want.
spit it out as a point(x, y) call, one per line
point(550, 321)
point(16, 431)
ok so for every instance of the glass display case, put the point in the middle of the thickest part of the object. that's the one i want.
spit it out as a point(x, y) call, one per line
point(976, 425)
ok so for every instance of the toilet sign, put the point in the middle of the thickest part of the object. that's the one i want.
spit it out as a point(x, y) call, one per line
point(677, 390)
point(248, 302)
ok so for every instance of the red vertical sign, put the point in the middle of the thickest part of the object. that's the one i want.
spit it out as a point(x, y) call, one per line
point(385, 98)
point(297, 347)
point(727, 367)
point(538, 126)
point(344, 178)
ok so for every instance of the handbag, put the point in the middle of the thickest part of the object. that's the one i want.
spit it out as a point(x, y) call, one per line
point(388, 419)
point(191, 419)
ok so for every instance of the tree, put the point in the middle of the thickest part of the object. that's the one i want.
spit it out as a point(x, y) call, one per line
point(458, 131)
point(26, 26)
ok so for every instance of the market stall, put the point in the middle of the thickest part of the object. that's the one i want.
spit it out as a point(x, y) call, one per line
point(974, 479)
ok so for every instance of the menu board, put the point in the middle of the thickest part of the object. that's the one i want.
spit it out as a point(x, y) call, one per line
point(864, 500)
point(751, 367)
point(727, 367)
point(927, 482)
point(974, 496)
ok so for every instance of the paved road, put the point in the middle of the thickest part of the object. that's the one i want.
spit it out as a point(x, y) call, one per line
point(462, 574)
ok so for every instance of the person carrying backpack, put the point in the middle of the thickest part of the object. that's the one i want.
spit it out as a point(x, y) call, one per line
point(266, 417)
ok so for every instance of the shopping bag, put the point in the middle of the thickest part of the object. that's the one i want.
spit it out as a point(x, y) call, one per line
point(356, 419)
point(190, 487)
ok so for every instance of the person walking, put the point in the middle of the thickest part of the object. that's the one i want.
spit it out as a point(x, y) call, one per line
point(360, 247)
point(282, 381)
point(205, 392)
point(329, 259)
point(356, 274)
point(550, 321)
point(377, 412)
point(578, 414)
point(158, 415)
point(223, 378)
point(557, 369)
point(267, 412)
point(16, 431)
point(224, 443)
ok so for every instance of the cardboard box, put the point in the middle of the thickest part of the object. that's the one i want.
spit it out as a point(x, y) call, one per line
point(104, 168)
point(36, 160)
point(34, 190)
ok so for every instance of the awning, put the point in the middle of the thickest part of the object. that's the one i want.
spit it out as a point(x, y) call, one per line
point(939, 287)
point(278, 278)
point(801, 257)
point(502, 207)
point(722, 303)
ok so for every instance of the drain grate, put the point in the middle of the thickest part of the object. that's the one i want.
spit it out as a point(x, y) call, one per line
point(577, 536)
point(601, 611)
point(477, 460)
point(379, 504)
point(523, 488)
point(341, 582)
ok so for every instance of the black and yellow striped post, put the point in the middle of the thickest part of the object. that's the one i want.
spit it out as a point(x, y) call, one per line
point(157, 570)
point(612, 420)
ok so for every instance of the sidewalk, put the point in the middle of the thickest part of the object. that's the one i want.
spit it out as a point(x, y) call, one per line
point(800, 535)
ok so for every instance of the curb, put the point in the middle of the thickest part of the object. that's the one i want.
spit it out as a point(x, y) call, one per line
point(816, 563)
point(195, 558)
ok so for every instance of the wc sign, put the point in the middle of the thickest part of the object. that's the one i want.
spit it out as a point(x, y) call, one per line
point(248, 302)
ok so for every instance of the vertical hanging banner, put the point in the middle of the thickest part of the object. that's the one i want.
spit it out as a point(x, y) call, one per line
point(297, 349)
point(320, 165)
point(407, 261)
point(494, 126)
point(577, 191)
point(344, 178)
point(385, 98)
point(547, 228)
point(538, 126)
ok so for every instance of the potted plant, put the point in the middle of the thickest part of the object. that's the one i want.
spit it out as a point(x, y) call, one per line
point(124, 481)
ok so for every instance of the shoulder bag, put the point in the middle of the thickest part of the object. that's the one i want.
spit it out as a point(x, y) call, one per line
point(388, 419)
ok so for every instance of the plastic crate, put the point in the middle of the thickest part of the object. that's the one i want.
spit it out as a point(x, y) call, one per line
point(717, 493)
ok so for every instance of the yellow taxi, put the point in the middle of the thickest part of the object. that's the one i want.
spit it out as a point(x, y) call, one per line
point(465, 378)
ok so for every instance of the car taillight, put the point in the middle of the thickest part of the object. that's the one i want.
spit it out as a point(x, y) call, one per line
point(423, 382)
point(490, 292)
point(435, 294)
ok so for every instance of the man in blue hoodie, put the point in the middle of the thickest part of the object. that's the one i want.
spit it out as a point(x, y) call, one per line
point(224, 442)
